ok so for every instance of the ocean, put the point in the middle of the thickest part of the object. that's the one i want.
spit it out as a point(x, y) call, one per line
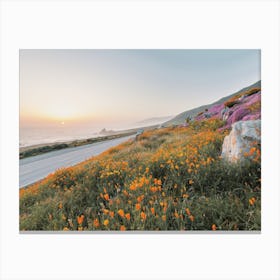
point(34, 135)
point(29, 136)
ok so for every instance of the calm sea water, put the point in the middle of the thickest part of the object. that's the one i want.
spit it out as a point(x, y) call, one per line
point(42, 135)
point(29, 136)
point(39, 135)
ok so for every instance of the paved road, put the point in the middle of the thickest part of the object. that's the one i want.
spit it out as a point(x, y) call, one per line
point(32, 169)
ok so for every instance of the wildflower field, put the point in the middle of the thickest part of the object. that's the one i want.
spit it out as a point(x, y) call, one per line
point(168, 179)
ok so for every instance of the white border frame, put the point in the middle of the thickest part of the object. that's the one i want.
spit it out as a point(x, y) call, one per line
point(140, 24)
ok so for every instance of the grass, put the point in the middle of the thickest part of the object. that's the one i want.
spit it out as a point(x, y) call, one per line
point(169, 179)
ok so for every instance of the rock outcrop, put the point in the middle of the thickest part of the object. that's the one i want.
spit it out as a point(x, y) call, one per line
point(243, 136)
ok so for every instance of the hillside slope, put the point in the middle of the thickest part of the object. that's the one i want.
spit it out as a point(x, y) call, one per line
point(181, 118)
point(168, 179)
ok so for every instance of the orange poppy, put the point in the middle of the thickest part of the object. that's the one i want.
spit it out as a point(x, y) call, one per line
point(80, 219)
point(122, 228)
point(137, 206)
point(121, 213)
point(143, 215)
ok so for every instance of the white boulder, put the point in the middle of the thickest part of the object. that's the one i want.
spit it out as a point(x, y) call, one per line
point(243, 135)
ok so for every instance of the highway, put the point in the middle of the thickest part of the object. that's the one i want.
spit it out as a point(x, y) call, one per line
point(33, 169)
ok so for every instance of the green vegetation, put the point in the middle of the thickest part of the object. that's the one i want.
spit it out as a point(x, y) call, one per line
point(169, 179)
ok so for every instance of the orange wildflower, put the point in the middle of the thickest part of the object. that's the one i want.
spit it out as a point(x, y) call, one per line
point(137, 206)
point(140, 198)
point(106, 222)
point(111, 214)
point(106, 196)
point(127, 215)
point(252, 201)
point(153, 189)
point(252, 151)
point(163, 217)
point(143, 215)
point(96, 222)
point(188, 211)
point(214, 227)
point(80, 219)
point(121, 213)
point(132, 187)
point(153, 210)
point(60, 205)
point(122, 228)
point(65, 228)
point(191, 218)
point(125, 192)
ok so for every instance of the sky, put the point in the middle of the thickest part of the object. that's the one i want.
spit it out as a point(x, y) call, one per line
point(118, 87)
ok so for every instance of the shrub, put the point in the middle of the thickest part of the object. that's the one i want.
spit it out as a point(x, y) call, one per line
point(235, 99)
point(252, 91)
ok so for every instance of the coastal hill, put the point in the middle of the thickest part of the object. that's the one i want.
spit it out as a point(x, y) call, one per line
point(153, 121)
point(169, 178)
point(181, 118)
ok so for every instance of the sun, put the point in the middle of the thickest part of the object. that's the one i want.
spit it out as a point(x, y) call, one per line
point(62, 123)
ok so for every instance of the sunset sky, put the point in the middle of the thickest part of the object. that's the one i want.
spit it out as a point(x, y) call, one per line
point(120, 87)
